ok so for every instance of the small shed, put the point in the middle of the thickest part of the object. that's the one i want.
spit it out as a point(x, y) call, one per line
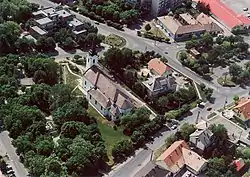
point(194, 53)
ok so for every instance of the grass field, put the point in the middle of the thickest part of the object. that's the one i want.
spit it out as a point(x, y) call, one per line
point(109, 135)
point(228, 82)
point(154, 31)
point(115, 40)
point(70, 78)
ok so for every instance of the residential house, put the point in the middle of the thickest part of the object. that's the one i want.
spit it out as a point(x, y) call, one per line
point(201, 139)
point(185, 26)
point(77, 28)
point(106, 97)
point(45, 23)
point(48, 19)
point(161, 7)
point(208, 24)
point(177, 30)
point(239, 163)
point(179, 156)
point(157, 67)
point(159, 84)
point(243, 109)
point(194, 53)
point(37, 32)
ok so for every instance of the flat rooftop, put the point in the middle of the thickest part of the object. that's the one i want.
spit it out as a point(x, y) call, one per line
point(188, 18)
point(63, 13)
point(44, 21)
point(75, 22)
point(38, 30)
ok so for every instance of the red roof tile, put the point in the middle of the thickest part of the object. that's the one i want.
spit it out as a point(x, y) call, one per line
point(158, 66)
point(225, 14)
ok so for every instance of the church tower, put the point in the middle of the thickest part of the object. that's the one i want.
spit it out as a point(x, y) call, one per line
point(91, 59)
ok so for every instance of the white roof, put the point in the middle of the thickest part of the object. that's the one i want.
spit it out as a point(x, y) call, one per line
point(38, 30)
point(44, 21)
point(172, 24)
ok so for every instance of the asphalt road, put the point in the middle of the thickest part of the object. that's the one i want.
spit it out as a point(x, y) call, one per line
point(6, 146)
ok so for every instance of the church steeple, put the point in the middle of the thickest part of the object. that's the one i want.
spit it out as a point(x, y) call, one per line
point(92, 58)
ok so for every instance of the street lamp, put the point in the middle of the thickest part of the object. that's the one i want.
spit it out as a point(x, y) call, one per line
point(157, 28)
point(225, 102)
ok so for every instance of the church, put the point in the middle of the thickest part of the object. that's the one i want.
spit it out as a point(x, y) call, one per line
point(104, 95)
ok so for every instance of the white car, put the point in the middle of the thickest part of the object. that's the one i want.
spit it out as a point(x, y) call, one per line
point(245, 9)
point(173, 127)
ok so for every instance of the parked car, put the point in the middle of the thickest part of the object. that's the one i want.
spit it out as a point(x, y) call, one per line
point(173, 127)
point(209, 109)
point(245, 9)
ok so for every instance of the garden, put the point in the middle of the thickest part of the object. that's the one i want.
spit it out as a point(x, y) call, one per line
point(115, 41)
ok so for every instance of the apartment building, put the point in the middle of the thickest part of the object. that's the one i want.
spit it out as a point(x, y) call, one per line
point(161, 7)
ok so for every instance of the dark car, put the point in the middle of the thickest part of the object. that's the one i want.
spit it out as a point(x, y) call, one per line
point(209, 109)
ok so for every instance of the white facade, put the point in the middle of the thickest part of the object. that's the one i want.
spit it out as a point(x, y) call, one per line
point(99, 97)
point(91, 60)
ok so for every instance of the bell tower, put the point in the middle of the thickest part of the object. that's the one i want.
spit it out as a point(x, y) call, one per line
point(92, 58)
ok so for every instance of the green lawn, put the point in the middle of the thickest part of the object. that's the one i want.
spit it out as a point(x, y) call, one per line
point(70, 78)
point(227, 82)
point(109, 135)
point(115, 40)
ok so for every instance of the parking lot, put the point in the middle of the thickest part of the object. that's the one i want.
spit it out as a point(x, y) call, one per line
point(238, 5)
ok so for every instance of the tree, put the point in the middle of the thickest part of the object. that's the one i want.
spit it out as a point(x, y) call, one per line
point(61, 94)
point(128, 55)
point(186, 130)
point(134, 120)
point(114, 59)
point(170, 140)
point(23, 143)
point(207, 40)
point(147, 27)
point(54, 167)
point(235, 70)
point(71, 111)
point(82, 155)
point(203, 7)
point(71, 129)
point(236, 98)
point(45, 44)
point(183, 56)
point(24, 45)
point(93, 40)
point(122, 149)
point(9, 34)
point(40, 96)
point(20, 118)
point(35, 163)
point(62, 34)
point(62, 148)
point(219, 167)
point(138, 138)
point(129, 16)
point(68, 43)
point(44, 70)
point(44, 145)
point(219, 131)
